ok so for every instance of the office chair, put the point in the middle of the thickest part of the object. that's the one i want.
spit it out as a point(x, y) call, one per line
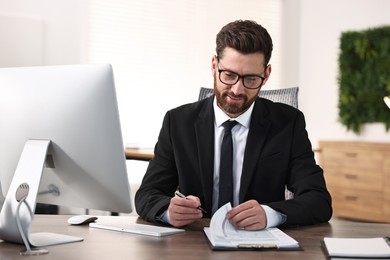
point(287, 96)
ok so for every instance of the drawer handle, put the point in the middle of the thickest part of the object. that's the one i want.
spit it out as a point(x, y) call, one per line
point(351, 198)
point(351, 155)
point(351, 176)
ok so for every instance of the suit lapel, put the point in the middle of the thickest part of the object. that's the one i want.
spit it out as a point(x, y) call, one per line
point(258, 131)
point(204, 131)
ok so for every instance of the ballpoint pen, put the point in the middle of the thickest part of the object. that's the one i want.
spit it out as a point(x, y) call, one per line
point(178, 193)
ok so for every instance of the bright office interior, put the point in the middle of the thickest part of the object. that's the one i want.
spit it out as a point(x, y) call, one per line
point(161, 52)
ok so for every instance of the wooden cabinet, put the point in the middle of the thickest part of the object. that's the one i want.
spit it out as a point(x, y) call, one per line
point(358, 177)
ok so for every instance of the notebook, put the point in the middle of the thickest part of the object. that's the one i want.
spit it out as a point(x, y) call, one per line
point(377, 247)
point(141, 229)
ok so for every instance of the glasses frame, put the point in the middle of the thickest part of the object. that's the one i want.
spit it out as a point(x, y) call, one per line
point(239, 77)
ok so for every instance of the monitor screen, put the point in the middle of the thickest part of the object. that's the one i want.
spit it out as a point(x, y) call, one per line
point(70, 115)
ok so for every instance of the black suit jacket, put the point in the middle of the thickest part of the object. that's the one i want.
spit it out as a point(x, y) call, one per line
point(278, 153)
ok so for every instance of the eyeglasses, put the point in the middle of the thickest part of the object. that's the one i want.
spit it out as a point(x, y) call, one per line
point(231, 78)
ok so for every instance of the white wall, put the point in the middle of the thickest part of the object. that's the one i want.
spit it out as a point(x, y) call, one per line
point(62, 28)
point(320, 26)
point(13, 48)
point(311, 30)
point(142, 104)
point(177, 40)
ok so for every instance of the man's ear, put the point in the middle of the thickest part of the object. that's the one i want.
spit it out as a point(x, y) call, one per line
point(267, 73)
point(213, 65)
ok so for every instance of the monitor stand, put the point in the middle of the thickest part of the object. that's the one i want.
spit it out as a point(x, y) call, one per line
point(20, 202)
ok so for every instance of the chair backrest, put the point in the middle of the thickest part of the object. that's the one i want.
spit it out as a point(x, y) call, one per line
point(287, 96)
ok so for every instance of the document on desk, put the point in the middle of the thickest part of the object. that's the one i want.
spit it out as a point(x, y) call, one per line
point(377, 247)
point(223, 235)
point(140, 229)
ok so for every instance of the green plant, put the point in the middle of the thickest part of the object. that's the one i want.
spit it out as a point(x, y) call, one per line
point(364, 77)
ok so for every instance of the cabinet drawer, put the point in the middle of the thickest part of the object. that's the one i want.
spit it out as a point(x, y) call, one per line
point(354, 179)
point(352, 159)
point(386, 172)
point(357, 175)
point(386, 205)
point(354, 203)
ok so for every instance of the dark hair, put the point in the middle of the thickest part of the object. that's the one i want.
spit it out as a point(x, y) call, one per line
point(246, 37)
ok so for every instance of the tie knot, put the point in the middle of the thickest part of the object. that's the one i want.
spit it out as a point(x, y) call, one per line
point(229, 124)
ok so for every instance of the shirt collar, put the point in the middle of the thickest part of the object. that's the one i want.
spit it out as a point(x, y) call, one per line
point(221, 117)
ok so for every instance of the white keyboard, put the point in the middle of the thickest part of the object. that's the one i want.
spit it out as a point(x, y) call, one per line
point(141, 229)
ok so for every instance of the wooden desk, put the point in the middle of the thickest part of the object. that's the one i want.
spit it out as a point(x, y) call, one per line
point(104, 244)
point(139, 154)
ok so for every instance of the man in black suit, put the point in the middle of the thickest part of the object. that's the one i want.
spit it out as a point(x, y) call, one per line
point(270, 145)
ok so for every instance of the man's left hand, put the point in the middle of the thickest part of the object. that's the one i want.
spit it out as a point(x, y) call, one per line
point(249, 215)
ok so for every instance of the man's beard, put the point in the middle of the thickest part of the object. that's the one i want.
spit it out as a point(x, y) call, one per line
point(232, 109)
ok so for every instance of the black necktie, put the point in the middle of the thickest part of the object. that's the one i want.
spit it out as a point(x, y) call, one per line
point(226, 166)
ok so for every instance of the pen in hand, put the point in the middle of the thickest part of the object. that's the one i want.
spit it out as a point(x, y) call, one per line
point(178, 193)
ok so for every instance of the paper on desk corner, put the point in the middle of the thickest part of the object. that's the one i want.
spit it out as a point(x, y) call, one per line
point(357, 247)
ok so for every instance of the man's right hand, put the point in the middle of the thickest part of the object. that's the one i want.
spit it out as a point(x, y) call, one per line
point(184, 211)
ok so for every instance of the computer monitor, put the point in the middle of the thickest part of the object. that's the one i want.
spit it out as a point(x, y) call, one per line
point(60, 143)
